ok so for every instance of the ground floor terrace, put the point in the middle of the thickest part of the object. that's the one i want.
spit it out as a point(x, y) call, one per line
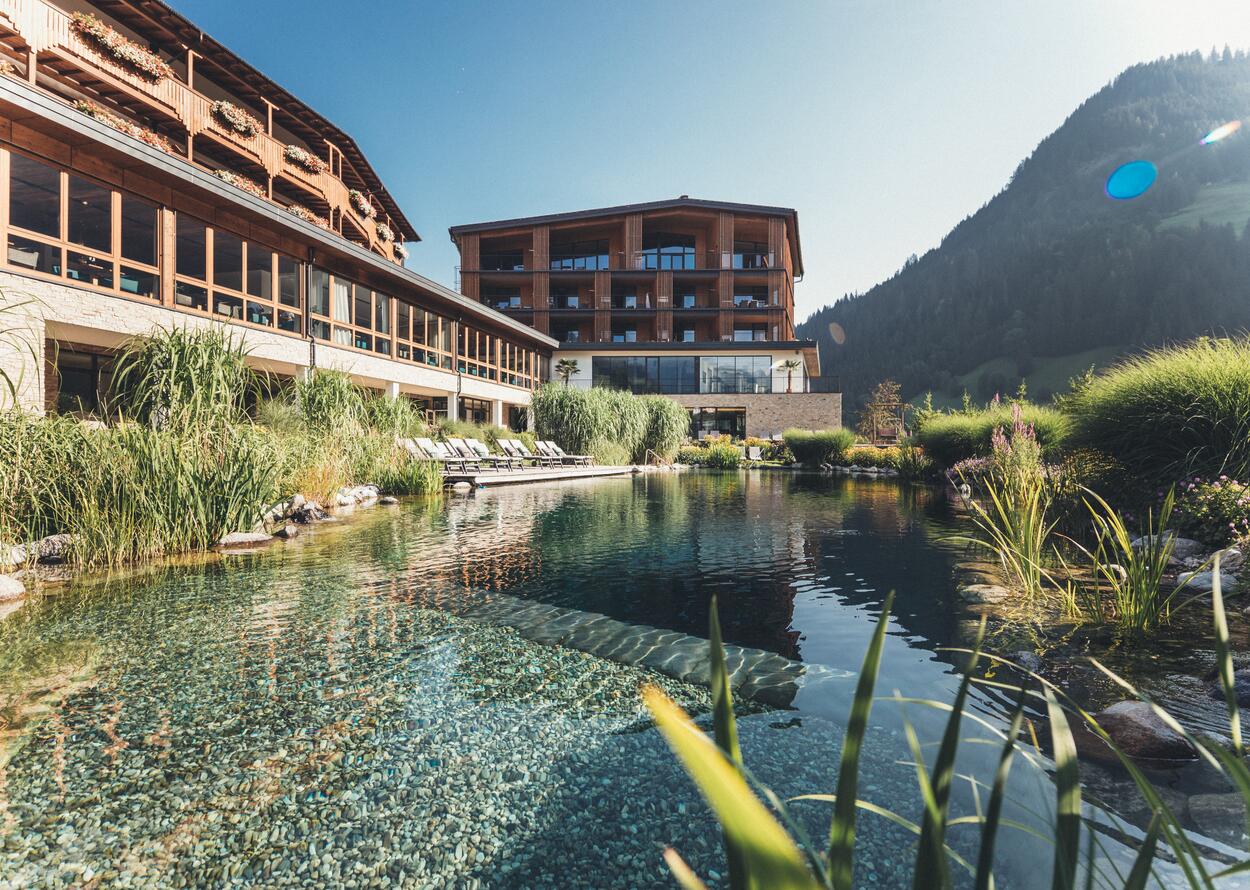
point(63, 338)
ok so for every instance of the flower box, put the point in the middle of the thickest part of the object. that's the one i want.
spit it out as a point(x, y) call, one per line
point(361, 204)
point(119, 123)
point(302, 212)
point(234, 119)
point(122, 50)
point(385, 235)
point(250, 186)
point(305, 160)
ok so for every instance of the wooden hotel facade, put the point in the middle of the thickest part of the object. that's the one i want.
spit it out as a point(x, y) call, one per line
point(149, 177)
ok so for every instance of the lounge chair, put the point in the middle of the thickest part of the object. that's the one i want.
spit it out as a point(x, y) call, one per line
point(507, 461)
point(461, 449)
point(543, 460)
point(578, 460)
point(754, 454)
point(439, 452)
point(505, 445)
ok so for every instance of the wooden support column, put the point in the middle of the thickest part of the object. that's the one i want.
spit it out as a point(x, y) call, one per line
point(724, 240)
point(166, 258)
point(633, 240)
point(540, 254)
point(32, 65)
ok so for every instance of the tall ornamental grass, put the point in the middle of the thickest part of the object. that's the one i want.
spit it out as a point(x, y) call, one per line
point(815, 448)
point(950, 438)
point(1171, 412)
point(765, 846)
point(615, 426)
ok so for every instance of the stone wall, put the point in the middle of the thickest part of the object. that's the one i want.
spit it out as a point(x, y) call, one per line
point(53, 311)
point(771, 413)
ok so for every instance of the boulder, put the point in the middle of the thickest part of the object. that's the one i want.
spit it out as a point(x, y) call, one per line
point(983, 594)
point(297, 503)
point(309, 512)
point(1241, 686)
point(1030, 661)
point(344, 498)
point(15, 557)
point(1221, 817)
point(1204, 582)
point(1182, 548)
point(54, 548)
point(1232, 559)
point(287, 531)
point(244, 539)
point(11, 588)
point(462, 487)
point(388, 501)
point(1141, 734)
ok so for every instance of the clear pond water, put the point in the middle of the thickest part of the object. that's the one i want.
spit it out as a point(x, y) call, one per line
point(445, 693)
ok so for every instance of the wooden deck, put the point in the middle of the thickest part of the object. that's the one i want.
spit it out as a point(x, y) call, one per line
point(533, 474)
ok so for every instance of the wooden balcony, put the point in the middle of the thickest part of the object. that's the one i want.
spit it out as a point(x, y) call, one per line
point(70, 66)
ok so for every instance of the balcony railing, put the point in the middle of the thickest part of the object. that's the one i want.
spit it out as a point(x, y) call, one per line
point(48, 31)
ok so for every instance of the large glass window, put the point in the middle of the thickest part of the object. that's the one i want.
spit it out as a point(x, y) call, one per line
point(34, 196)
point(671, 375)
point(668, 251)
point(575, 255)
point(192, 247)
point(512, 260)
point(259, 271)
point(140, 225)
point(319, 293)
point(750, 255)
point(750, 297)
point(705, 422)
point(227, 260)
point(565, 298)
point(501, 298)
point(750, 333)
point(90, 214)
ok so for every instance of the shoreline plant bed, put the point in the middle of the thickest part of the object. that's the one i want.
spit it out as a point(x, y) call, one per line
point(951, 438)
point(616, 427)
point(186, 459)
point(817, 448)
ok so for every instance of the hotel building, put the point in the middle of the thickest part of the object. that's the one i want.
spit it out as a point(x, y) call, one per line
point(149, 178)
point(687, 298)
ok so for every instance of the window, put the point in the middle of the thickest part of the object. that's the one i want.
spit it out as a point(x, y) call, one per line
point(751, 255)
point(750, 297)
point(140, 224)
point(577, 255)
point(624, 334)
point(735, 374)
point(749, 333)
point(685, 300)
point(718, 421)
point(504, 261)
point(34, 196)
point(191, 244)
point(227, 260)
point(501, 297)
point(108, 239)
point(82, 380)
point(319, 293)
point(565, 298)
point(259, 272)
point(671, 375)
point(668, 251)
point(90, 215)
point(686, 335)
point(624, 297)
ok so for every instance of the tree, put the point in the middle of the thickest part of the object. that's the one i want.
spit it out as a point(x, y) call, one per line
point(566, 368)
point(882, 411)
point(790, 365)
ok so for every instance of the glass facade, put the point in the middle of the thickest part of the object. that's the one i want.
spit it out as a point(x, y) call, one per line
point(668, 251)
point(683, 375)
point(579, 255)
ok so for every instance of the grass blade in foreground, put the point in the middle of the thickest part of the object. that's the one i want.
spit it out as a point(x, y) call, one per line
point(771, 857)
point(1068, 791)
point(1224, 657)
point(1145, 858)
point(989, 832)
point(842, 830)
point(725, 730)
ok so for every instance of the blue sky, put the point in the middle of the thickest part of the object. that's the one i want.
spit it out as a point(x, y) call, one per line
point(883, 123)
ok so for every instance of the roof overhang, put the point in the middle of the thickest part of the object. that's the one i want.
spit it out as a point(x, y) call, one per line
point(181, 173)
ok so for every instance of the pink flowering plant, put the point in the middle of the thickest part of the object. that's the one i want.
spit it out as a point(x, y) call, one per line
point(234, 119)
point(385, 235)
point(250, 186)
point(117, 122)
point(361, 204)
point(1214, 511)
point(120, 49)
point(303, 159)
point(302, 212)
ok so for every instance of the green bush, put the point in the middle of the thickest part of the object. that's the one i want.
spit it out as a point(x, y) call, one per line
point(870, 456)
point(329, 401)
point(583, 420)
point(814, 448)
point(691, 455)
point(950, 438)
point(608, 453)
point(722, 457)
point(1172, 412)
point(397, 417)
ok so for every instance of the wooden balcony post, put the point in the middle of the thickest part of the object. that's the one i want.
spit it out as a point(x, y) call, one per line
point(32, 65)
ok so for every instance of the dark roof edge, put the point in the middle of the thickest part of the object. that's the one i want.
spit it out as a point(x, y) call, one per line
point(37, 102)
point(677, 345)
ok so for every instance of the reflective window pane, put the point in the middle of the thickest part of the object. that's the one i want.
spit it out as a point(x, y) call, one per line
point(139, 228)
point(259, 272)
point(227, 260)
point(192, 247)
point(319, 292)
point(90, 214)
point(227, 305)
point(34, 196)
point(34, 255)
point(140, 283)
point(260, 313)
point(288, 321)
point(89, 269)
point(190, 296)
point(288, 281)
point(363, 303)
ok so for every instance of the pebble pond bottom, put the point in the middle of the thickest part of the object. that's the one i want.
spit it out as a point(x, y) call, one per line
point(316, 716)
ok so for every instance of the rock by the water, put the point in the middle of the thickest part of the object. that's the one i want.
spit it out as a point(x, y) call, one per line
point(244, 539)
point(388, 501)
point(54, 548)
point(11, 588)
point(1030, 661)
point(309, 512)
point(1232, 559)
point(15, 557)
point(1221, 817)
point(462, 486)
point(287, 531)
point(1241, 686)
point(982, 594)
point(1181, 548)
point(1204, 582)
point(1140, 733)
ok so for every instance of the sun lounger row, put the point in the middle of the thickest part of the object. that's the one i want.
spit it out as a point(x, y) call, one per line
point(469, 455)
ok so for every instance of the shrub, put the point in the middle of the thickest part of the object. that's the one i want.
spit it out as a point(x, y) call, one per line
point(581, 420)
point(722, 457)
point(692, 455)
point(608, 453)
point(1173, 412)
point(950, 438)
point(329, 401)
point(882, 458)
point(397, 417)
point(667, 425)
point(814, 448)
point(1215, 511)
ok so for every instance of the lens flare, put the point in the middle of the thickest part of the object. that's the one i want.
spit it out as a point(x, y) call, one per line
point(1131, 180)
point(836, 332)
point(1221, 132)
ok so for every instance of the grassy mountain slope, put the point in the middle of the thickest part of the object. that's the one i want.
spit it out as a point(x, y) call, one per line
point(1051, 271)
